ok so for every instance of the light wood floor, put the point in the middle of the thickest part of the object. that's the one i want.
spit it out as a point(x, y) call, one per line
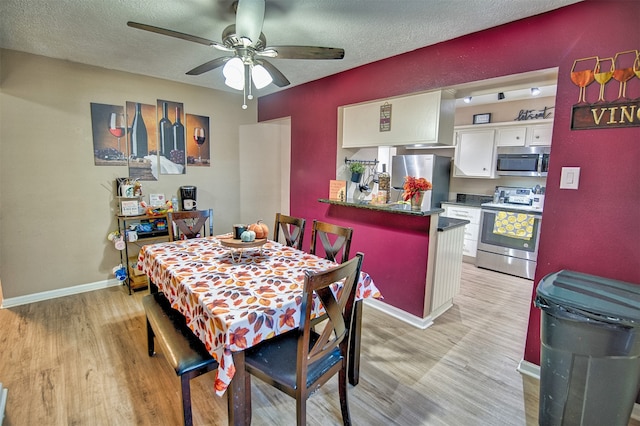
point(82, 360)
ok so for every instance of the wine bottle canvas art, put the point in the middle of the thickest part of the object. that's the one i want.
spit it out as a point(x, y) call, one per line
point(171, 137)
point(141, 141)
point(198, 141)
point(108, 126)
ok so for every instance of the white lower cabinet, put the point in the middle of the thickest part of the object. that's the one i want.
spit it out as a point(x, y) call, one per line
point(471, 230)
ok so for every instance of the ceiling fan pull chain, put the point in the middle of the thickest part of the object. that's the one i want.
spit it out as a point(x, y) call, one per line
point(247, 80)
point(246, 89)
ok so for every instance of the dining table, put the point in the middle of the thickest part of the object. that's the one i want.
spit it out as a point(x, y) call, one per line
point(234, 298)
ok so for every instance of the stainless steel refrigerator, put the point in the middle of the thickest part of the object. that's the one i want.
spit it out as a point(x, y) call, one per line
point(434, 168)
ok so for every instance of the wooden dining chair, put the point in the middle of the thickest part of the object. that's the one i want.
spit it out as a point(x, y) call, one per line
point(301, 361)
point(325, 232)
point(190, 224)
point(292, 230)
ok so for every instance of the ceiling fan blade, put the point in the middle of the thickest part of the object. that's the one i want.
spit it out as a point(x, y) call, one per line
point(278, 78)
point(249, 19)
point(307, 52)
point(179, 35)
point(208, 66)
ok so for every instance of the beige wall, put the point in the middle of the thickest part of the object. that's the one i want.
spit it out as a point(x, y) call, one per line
point(56, 207)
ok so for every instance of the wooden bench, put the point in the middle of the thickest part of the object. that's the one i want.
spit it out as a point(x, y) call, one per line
point(184, 351)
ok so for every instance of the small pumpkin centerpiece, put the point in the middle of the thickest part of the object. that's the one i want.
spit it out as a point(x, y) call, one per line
point(260, 229)
point(247, 236)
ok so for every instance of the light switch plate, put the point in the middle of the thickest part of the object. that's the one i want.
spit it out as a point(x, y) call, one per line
point(569, 178)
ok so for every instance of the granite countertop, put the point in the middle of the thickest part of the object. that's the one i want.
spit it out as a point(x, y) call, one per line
point(448, 223)
point(390, 208)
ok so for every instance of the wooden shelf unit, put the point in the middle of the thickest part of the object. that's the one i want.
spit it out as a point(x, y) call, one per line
point(136, 280)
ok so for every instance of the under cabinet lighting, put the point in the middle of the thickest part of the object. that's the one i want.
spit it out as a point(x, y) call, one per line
point(467, 100)
point(535, 91)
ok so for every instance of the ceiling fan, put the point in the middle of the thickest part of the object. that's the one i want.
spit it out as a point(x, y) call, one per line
point(248, 46)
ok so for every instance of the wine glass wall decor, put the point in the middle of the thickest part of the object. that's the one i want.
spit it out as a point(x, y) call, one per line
point(617, 107)
point(620, 68)
point(623, 70)
point(198, 141)
point(108, 126)
point(582, 75)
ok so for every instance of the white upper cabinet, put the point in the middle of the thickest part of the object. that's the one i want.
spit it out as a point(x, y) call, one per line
point(539, 134)
point(423, 118)
point(511, 136)
point(520, 134)
point(475, 153)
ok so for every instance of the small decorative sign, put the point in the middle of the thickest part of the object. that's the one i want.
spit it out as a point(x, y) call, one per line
point(482, 118)
point(605, 116)
point(385, 117)
point(338, 190)
point(156, 200)
point(128, 207)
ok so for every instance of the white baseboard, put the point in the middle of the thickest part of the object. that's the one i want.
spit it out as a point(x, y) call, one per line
point(413, 320)
point(529, 369)
point(61, 292)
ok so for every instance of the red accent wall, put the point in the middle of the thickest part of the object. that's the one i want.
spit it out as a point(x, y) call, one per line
point(595, 229)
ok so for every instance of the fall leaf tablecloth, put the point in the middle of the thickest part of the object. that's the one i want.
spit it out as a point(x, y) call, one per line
point(232, 306)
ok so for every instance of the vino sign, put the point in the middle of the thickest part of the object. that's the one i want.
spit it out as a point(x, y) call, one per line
point(608, 110)
point(605, 116)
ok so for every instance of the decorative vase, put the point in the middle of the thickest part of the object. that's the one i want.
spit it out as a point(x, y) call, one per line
point(416, 201)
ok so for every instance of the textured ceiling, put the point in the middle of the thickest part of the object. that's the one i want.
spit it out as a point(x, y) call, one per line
point(94, 32)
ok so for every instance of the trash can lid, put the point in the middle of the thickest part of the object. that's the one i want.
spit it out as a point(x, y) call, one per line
point(604, 299)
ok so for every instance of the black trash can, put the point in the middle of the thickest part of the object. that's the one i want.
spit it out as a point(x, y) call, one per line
point(590, 354)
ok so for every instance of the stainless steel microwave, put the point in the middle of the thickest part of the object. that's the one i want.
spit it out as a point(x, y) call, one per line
point(523, 161)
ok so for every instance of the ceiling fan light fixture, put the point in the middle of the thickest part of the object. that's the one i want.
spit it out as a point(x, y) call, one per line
point(261, 77)
point(233, 72)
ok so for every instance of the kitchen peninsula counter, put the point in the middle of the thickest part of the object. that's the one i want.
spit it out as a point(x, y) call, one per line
point(389, 208)
point(415, 257)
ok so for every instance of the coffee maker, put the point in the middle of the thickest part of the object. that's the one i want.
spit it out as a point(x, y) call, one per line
point(188, 198)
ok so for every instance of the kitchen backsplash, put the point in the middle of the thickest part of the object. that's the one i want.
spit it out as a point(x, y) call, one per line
point(487, 186)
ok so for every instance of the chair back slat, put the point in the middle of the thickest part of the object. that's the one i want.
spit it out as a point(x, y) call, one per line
point(292, 230)
point(342, 240)
point(190, 224)
point(339, 310)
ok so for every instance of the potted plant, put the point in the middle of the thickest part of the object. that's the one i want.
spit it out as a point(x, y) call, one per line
point(414, 189)
point(356, 171)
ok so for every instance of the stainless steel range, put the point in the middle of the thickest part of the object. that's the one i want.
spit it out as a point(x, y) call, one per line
point(509, 232)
